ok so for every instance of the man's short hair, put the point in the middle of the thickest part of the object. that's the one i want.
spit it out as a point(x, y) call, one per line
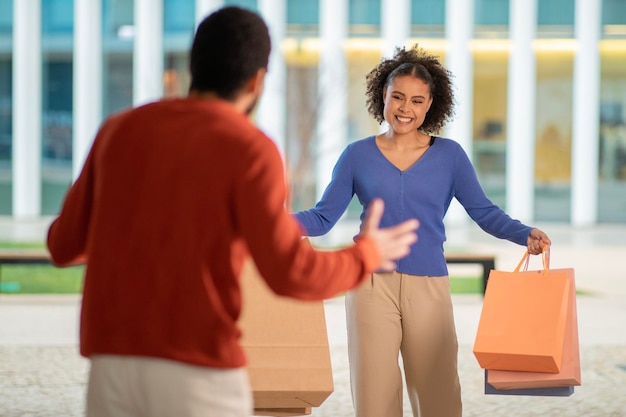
point(229, 47)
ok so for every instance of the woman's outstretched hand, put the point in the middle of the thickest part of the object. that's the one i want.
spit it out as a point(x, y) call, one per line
point(393, 242)
point(537, 239)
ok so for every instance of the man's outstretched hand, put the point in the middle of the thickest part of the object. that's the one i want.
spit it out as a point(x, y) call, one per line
point(393, 242)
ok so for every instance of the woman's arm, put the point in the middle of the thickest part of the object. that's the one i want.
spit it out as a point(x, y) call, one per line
point(319, 220)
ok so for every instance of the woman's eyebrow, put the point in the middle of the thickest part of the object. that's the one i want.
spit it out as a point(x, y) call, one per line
point(401, 93)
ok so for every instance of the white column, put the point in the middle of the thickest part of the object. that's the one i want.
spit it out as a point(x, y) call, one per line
point(396, 25)
point(585, 136)
point(148, 51)
point(520, 144)
point(87, 83)
point(332, 122)
point(459, 32)
point(270, 115)
point(206, 7)
point(26, 108)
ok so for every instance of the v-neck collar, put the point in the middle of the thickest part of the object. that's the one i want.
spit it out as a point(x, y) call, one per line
point(430, 145)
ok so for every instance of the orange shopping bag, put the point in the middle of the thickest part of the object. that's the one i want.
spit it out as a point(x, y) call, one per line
point(569, 375)
point(523, 320)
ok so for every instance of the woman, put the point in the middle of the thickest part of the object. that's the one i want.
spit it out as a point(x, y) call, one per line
point(416, 173)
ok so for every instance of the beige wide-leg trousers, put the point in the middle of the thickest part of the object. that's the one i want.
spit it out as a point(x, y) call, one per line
point(393, 313)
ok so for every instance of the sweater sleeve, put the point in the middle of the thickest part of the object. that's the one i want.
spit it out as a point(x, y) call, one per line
point(319, 220)
point(67, 235)
point(288, 263)
point(491, 218)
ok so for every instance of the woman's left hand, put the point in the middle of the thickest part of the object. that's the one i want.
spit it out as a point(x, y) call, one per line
point(537, 239)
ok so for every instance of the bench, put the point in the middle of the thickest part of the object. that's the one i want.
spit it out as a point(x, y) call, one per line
point(488, 262)
point(42, 257)
point(23, 257)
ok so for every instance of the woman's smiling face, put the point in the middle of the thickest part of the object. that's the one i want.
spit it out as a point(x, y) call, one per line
point(407, 100)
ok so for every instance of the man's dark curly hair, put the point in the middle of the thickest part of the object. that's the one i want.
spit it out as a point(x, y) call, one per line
point(420, 64)
point(229, 47)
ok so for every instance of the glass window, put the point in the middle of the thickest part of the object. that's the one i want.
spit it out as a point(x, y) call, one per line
point(364, 17)
point(302, 104)
point(56, 137)
point(178, 29)
point(491, 12)
point(428, 18)
point(6, 18)
point(6, 134)
point(6, 106)
point(178, 16)
point(612, 151)
point(360, 123)
point(303, 12)
point(117, 16)
point(303, 18)
point(553, 146)
point(489, 122)
point(614, 19)
point(614, 12)
point(57, 16)
point(118, 81)
point(56, 131)
point(491, 18)
point(176, 78)
point(555, 18)
point(248, 4)
point(117, 55)
point(555, 12)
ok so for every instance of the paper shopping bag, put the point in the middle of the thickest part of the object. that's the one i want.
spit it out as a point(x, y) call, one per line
point(522, 323)
point(286, 344)
point(565, 391)
point(569, 374)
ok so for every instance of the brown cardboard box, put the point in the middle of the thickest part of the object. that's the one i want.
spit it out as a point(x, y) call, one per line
point(287, 349)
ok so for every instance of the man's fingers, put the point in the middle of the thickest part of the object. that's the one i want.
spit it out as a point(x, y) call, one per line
point(401, 246)
point(396, 241)
point(393, 242)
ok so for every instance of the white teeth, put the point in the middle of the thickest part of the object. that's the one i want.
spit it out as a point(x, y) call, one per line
point(404, 119)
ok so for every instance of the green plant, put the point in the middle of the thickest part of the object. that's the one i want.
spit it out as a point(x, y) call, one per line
point(41, 279)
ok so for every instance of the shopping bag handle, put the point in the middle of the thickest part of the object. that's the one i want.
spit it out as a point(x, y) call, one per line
point(545, 259)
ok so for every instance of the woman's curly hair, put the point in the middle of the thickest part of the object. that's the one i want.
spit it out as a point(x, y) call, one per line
point(420, 64)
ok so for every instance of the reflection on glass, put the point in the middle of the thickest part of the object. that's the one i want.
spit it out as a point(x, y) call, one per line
point(6, 133)
point(612, 146)
point(491, 18)
point(176, 75)
point(553, 146)
point(489, 125)
point(553, 91)
point(56, 124)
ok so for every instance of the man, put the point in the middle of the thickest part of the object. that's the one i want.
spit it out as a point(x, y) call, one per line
point(173, 198)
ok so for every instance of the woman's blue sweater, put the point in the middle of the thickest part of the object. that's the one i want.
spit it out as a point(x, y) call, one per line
point(422, 191)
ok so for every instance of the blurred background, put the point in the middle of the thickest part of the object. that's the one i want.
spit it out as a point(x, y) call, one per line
point(541, 111)
point(540, 86)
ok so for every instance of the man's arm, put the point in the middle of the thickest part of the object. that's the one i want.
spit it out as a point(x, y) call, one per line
point(67, 235)
point(289, 264)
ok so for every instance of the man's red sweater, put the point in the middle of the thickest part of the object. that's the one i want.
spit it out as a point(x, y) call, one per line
point(174, 196)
